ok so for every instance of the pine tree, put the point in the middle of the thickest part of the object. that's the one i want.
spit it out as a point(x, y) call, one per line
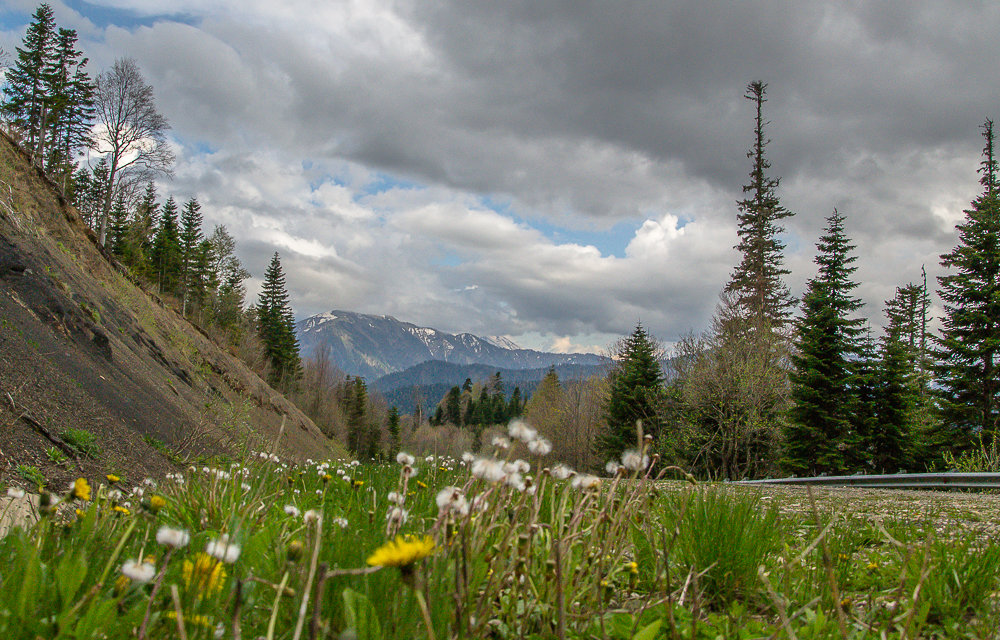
point(968, 367)
point(636, 393)
point(393, 428)
point(819, 437)
point(165, 253)
point(896, 398)
point(276, 326)
point(119, 229)
point(26, 99)
point(70, 99)
point(756, 284)
point(453, 407)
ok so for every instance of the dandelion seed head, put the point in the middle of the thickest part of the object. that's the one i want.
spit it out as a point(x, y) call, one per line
point(15, 493)
point(561, 472)
point(540, 447)
point(292, 510)
point(138, 571)
point(488, 469)
point(311, 516)
point(223, 549)
point(173, 538)
point(634, 460)
point(501, 442)
point(612, 467)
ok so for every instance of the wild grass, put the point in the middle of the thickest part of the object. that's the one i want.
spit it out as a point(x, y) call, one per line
point(485, 548)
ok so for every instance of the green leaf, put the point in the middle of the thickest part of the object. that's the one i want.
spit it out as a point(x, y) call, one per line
point(69, 576)
point(649, 631)
point(361, 616)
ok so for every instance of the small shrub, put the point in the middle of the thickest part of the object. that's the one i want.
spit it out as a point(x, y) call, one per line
point(82, 441)
point(56, 455)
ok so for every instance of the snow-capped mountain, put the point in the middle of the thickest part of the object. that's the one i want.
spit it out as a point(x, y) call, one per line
point(372, 346)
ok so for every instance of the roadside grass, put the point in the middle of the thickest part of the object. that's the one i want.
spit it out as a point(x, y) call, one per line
point(483, 547)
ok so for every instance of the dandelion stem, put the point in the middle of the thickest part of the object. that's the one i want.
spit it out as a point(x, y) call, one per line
point(425, 613)
point(274, 608)
point(152, 595)
point(177, 608)
point(309, 581)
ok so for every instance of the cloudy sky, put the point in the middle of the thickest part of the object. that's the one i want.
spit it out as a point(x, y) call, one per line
point(554, 170)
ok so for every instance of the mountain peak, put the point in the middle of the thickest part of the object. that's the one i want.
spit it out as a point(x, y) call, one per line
point(375, 345)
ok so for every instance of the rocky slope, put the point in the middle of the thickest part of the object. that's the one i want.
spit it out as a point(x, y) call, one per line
point(82, 347)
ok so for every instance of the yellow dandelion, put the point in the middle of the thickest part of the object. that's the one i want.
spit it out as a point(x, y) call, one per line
point(633, 567)
point(421, 485)
point(122, 510)
point(197, 620)
point(155, 503)
point(121, 584)
point(402, 552)
point(326, 477)
point(80, 489)
point(872, 566)
point(112, 478)
point(205, 573)
point(358, 483)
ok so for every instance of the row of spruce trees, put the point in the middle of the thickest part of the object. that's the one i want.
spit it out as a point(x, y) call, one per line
point(765, 391)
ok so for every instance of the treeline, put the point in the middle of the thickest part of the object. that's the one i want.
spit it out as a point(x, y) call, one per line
point(766, 391)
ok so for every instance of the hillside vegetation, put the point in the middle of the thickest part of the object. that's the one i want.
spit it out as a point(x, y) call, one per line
point(98, 374)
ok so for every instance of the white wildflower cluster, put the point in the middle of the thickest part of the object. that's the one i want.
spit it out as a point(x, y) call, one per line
point(223, 549)
point(341, 522)
point(263, 455)
point(451, 500)
point(177, 478)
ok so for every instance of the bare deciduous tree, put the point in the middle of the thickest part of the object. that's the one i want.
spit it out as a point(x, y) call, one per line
point(130, 131)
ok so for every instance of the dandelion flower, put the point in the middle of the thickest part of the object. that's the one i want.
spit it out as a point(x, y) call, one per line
point(451, 499)
point(122, 510)
point(586, 482)
point(561, 472)
point(80, 489)
point(540, 447)
point(341, 522)
point(155, 503)
point(488, 469)
point(138, 571)
point(612, 467)
point(15, 493)
point(397, 515)
point(404, 458)
point(292, 510)
point(501, 442)
point(173, 538)
point(402, 552)
point(204, 573)
point(396, 498)
point(634, 460)
point(112, 478)
point(223, 549)
point(519, 430)
point(311, 516)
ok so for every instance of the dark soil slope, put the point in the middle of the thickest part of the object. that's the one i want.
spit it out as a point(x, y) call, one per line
point(82, 347)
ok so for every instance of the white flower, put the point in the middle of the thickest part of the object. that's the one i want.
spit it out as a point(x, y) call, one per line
point(340, 522)
point(468, 457)
point(137, 571)
point(311, 516)
point(245, 486)
point(175, 538)
point(149, 482)
point(612, 467)
point(634, 460)
point(397, 515)
point(488, 469)
point(519, 430)
point(396, 498)
point(223, 549)
point(540, 446)
point(451, 499)
point(429, 459)
point(501, 442)
point(561, 472)
point(340, 472)
point(586, 482)
point(15, 492)
point(404, 458)
point(409, 472)
point(292, 510)
point(515, 480)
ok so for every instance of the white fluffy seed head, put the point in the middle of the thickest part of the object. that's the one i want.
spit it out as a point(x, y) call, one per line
point(520, 430)
point(634, 460)
point(223, 549)
point(488, 469)
point(174, 538)
point(138, 571)
point(561, 472)
point(540, 446)
point(404, 458)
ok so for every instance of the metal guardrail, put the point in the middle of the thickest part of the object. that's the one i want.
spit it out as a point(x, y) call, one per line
point(949, 480)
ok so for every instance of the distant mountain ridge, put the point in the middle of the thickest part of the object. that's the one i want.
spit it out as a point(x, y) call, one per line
point(373, 346)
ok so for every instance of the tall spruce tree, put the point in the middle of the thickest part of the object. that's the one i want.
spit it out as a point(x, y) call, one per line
point(276, 326)
point(756, 284)
point(636, 393)
point(819, 436)
point(26, 102)
point(165, 254)
point(191, 251)
point(968, 367)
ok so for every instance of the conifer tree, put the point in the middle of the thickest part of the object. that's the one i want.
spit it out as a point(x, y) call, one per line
point(896, 403)
point(276, 326)
point(70, 107)
point(190, 239)
point(165, 253)
point(26, 101)
point(393, 428)
point(636, 393)
point(819, 436)
point(968, 368)
point(756, 283)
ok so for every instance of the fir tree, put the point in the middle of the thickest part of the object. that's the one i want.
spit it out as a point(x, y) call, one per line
point(453, 406)
point(756, 284)
point(165, 254)
point(819, 437)
point(26, 102)
point(70, 99)
point(276, 327)
point(636, 393)
point(968, 369)
point(190, 239)
point(393, 428)
point(896, 402)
